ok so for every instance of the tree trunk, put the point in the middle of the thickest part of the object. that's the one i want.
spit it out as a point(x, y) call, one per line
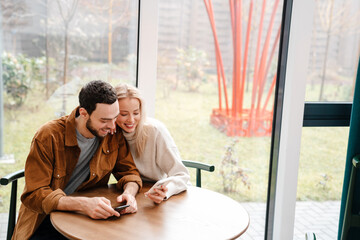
point(47, 68)
point(66, 60)
point(326, 53)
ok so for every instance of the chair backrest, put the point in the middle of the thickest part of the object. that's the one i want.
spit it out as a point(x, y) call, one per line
point(12, 178)
point(199, 166)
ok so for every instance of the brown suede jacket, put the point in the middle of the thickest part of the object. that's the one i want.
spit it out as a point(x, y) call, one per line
point(53, 156)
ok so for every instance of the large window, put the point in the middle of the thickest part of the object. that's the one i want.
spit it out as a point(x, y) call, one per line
point(334, 54)
point(217, 63)
point(49, 50)
point(216, 69)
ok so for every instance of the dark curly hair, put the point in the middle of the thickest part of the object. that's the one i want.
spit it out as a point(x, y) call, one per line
point(94, 92)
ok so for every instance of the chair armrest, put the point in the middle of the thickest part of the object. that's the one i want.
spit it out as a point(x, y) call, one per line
point(199, 165)
point(12, 177)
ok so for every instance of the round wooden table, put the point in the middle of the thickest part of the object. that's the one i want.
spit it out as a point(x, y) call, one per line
point(194, 214)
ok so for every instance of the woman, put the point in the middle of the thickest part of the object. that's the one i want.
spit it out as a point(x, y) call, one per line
point(152, 147)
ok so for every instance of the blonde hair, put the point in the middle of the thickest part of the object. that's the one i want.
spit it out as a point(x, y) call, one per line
point(128, 91)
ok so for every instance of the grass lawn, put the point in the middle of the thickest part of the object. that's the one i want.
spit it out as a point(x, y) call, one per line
point(322, 157)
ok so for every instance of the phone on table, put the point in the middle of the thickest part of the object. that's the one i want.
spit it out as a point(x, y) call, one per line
point(119, 208)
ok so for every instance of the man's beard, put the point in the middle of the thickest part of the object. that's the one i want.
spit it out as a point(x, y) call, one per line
point(93, 130)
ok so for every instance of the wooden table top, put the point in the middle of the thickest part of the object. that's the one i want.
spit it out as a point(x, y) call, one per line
point(194, 214)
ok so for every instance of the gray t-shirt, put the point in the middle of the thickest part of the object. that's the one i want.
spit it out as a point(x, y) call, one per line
point(88, 147)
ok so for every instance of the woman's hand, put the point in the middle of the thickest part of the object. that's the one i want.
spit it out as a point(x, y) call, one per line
point(159, 195)
point(128, 197)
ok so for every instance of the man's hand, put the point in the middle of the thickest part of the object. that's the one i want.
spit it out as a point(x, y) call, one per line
point(95, 207)
point(128, 197)
point(99, 208)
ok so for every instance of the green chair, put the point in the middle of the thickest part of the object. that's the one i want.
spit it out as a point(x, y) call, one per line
point(351, 220)
point(13, 179)
point(199, 166)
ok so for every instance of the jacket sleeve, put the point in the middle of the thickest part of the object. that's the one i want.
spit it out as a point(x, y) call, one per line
point(169, 160)
point(125, 169)
point(37, 195)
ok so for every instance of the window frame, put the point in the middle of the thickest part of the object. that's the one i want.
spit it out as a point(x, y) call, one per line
point(147, 52)
point(295, 41)
point(327, 114)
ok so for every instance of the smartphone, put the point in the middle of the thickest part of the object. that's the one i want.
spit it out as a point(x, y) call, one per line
point(119, 208)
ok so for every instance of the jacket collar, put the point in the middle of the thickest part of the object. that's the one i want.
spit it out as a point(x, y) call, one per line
point(70, 129)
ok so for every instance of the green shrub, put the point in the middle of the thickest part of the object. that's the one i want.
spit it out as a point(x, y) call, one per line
point(18, 73)
point(191, 62)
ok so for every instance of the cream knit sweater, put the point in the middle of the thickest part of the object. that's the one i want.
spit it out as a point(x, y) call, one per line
point(161, 158)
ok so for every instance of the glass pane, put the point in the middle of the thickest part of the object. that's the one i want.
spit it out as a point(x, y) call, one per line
point(320, 180)
point(217, 62)
point(332, 70)
point(334, 51)
point(49, 50)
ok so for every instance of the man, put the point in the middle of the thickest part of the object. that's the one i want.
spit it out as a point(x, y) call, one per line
point(74, 153)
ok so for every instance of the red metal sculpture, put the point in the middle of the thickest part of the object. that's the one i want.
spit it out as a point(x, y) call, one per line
point(238, 120)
